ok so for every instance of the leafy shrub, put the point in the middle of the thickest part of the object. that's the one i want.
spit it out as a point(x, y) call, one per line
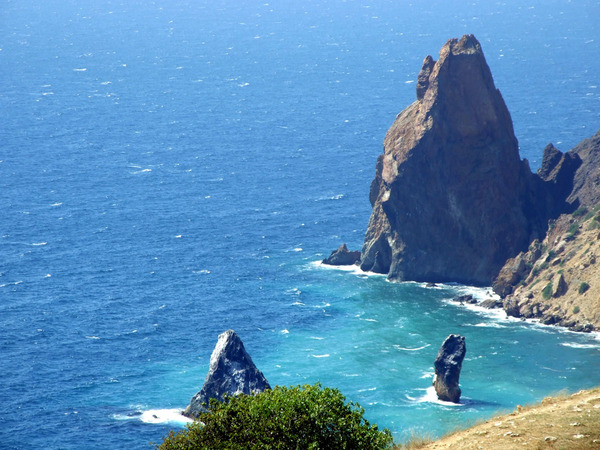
point(573, 229)
point(580, 212)
point(547, 291)
point(575, 309)
point(303, 417)
point(583, 287)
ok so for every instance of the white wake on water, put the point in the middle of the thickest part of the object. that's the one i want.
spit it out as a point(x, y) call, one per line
point(354, 269)
point(431, 397)
point(157, 416)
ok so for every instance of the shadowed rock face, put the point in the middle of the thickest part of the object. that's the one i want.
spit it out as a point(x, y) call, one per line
point(447, 368)
point(452, 201)
point(342, 257)
point(586, 180)
point(231, 372)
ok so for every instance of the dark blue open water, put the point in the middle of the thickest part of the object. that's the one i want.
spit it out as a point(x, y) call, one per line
point(172, 169)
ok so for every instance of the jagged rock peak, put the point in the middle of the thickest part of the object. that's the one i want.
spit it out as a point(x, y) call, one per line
point(452, 201)
point(552, 157)
point(231, 372)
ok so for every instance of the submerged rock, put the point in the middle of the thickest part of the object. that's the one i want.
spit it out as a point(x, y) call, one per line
point(467, 298)
point(452, 201)
point(491, 303)
point(231, 372)
point(342, 257)
point(447, 368)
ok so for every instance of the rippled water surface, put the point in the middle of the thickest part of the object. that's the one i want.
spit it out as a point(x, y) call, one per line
point(172, 169)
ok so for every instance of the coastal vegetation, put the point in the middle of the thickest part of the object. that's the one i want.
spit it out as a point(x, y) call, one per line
point(561, 421)
point(304, 417)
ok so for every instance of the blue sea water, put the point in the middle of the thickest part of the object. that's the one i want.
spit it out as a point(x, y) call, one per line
point(172, 169)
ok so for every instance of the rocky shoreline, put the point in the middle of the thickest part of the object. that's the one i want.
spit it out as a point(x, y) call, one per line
point(453, 202)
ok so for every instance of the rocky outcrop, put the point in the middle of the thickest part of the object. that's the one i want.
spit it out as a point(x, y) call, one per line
point(586, 181)
point(556, 280)
point(342, 257)
point(231, 372)
point(560, 283)
point(452, 201)
point(447, 368)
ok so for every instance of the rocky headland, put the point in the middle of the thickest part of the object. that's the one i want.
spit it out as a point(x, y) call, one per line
point(453, 202)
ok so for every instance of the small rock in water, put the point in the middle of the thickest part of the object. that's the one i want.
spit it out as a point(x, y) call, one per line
point(342, 257)
point(231, 372)
point(467, 298)
point(447, 368)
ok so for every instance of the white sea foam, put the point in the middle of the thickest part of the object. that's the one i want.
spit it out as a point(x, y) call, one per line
point(164, 416)
point(431, 397)
point(326, 355)
point(157, 416)
point(397, 347)
point(489, 325)
point(356, 270)
point(577, 345)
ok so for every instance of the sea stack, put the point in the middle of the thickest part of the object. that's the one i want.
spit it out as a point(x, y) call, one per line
point(231, 372)
point(452, 201)
point(342, 257)
point(447, 368)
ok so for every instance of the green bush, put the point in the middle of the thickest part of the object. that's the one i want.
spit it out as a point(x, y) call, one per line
point(576, 310)
point(300, 417)
point(583, 287)
point(547, 291)
point(573, 230)
point(580, 212)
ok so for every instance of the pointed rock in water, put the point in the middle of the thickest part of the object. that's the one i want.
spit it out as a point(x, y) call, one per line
point(452, 201)
point(342, 257)
point(231, 372)
point(447, 368)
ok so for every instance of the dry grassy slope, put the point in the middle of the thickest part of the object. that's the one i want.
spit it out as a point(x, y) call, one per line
point(570, 251)
point(571, 422)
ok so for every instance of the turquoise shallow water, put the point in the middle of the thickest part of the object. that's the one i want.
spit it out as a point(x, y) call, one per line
point(169, 170)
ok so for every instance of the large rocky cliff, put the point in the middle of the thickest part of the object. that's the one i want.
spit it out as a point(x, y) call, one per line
point(452, 201)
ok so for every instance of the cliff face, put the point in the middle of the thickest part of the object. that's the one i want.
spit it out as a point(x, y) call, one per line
point(452, 201)
point(557, 280)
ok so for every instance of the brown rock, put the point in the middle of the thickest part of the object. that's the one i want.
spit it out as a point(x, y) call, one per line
point(512, 272)
point(511, 307)
point(451, 199)
point(559, 286)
